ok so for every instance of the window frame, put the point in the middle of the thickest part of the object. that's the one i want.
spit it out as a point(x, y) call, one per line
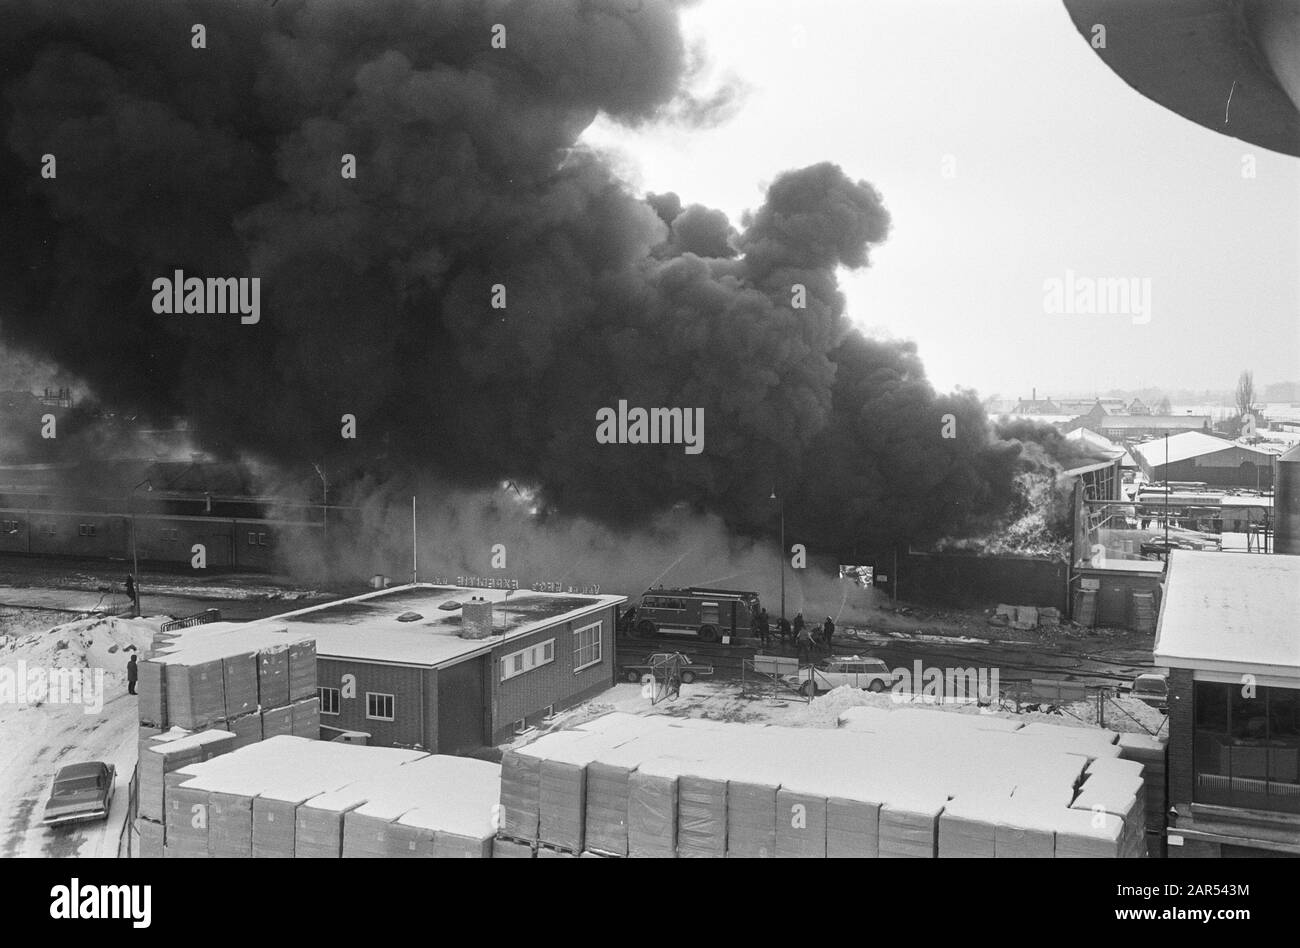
point(392, 706)
point(527, 659)
point(598, 643)
point(337, 699)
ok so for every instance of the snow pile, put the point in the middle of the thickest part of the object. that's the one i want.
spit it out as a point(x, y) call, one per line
point(103, 642)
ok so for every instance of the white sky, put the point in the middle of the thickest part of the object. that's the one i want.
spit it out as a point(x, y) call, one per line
point(1059, 165)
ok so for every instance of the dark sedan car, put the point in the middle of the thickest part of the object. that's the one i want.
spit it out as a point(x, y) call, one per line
point(80, 792)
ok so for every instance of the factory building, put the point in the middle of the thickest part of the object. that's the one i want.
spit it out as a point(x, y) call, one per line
point(1202, 458)
point(451, 669)
point(1228, 636)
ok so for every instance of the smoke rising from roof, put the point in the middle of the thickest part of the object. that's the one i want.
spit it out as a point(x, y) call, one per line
point(376, 292)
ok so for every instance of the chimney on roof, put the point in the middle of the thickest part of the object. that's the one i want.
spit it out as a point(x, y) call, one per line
point(476, 619)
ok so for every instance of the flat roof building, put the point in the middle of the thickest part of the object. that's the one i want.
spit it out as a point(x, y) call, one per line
point(450, 669)
point(1227, 633)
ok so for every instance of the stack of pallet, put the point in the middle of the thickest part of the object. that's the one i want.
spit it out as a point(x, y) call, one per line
point(291, 797)
point(905, 783)
point(256, 681)
point(1149, 751)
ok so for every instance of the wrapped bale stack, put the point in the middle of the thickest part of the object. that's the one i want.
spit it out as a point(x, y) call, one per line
point(254, 680)
point(905, 783)
point(435, 807)
point(159, 755)
point(1150, 752)
point(245, 803)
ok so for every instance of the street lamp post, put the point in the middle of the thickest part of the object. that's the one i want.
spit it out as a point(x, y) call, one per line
point(782, 503)
point(135, 562)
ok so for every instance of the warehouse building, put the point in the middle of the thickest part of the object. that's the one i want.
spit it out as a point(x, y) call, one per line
point(450, 669)
point(1228, 636)
point(1202, 458)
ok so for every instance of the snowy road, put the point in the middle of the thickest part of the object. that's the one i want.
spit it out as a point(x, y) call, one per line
point(34, 743)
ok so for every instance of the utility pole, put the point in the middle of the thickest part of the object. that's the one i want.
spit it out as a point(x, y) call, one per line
point(135, 561)
point(415, 546)
point(1166, 499)
point(781, 499)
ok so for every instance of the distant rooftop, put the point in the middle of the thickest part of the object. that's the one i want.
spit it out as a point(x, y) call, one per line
point(1189, 444)
point(1155, 421)
point(366, 628)
point(1231, 612)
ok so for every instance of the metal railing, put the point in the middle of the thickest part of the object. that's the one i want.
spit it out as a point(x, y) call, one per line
point(199, 618)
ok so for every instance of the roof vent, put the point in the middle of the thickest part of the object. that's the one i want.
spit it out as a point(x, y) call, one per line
point(409, 617)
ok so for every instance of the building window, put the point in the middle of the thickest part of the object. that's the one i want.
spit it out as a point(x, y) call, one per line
point(379, 707)
point(1246, 750)
point(586, 646)
point(521, 726)
point(329, 700)
point(47, 529)
point(170, 534)
point(86, 529)
point(261, 539)
point(526, 659)
point(252, 539)
point(10, 526)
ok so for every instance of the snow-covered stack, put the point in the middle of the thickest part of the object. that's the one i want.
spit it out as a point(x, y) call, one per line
point(1150, 752)
point(159, 755)
point(292, 797)
point(890, 783)
point(254, 680)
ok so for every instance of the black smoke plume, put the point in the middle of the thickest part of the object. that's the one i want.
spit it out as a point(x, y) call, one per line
point(376, 292)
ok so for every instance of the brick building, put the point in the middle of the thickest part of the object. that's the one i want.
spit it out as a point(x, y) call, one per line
point(451, 669)
point(1228, 635)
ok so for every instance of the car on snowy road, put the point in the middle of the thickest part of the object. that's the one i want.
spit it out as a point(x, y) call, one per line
point(80, 792)
point(856, 671)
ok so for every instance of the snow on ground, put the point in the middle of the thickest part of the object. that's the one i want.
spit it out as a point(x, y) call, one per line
point(36, 738)
point(722, 701)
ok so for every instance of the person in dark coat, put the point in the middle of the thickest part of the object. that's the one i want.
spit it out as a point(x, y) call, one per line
point(783, 628)
point(828, 632)
point(798, 623)
point(132, 674)
point(130, 591)
point(763, 628)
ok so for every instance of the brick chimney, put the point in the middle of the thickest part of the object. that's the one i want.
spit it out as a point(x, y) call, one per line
point(476, 619)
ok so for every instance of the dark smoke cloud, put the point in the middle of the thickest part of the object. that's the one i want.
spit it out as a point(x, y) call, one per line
point(376, 291)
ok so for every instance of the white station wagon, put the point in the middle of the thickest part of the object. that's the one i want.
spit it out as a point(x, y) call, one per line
point(870, 674)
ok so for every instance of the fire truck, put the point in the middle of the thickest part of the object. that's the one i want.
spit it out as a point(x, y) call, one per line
point(707, 613)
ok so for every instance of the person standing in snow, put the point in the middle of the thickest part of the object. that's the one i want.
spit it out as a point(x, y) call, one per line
point(132, 674)
point(798, 623)
point(763, 628)
point(783, 629)
point(828, 631)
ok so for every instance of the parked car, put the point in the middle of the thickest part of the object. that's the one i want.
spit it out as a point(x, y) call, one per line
point(80, 792)
point(690, 668)
point(1152, 690)
point(856, 671)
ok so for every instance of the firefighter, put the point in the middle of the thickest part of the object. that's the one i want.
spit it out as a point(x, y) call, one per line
point(763, 627)
point(804, 643)
point(783, 628)
point(798, 623)
point(828, 631)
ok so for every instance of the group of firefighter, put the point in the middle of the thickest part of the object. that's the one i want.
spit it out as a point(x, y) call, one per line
point(805, 638)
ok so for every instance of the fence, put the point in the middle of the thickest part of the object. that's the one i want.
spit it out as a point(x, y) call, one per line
point(199, 618)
